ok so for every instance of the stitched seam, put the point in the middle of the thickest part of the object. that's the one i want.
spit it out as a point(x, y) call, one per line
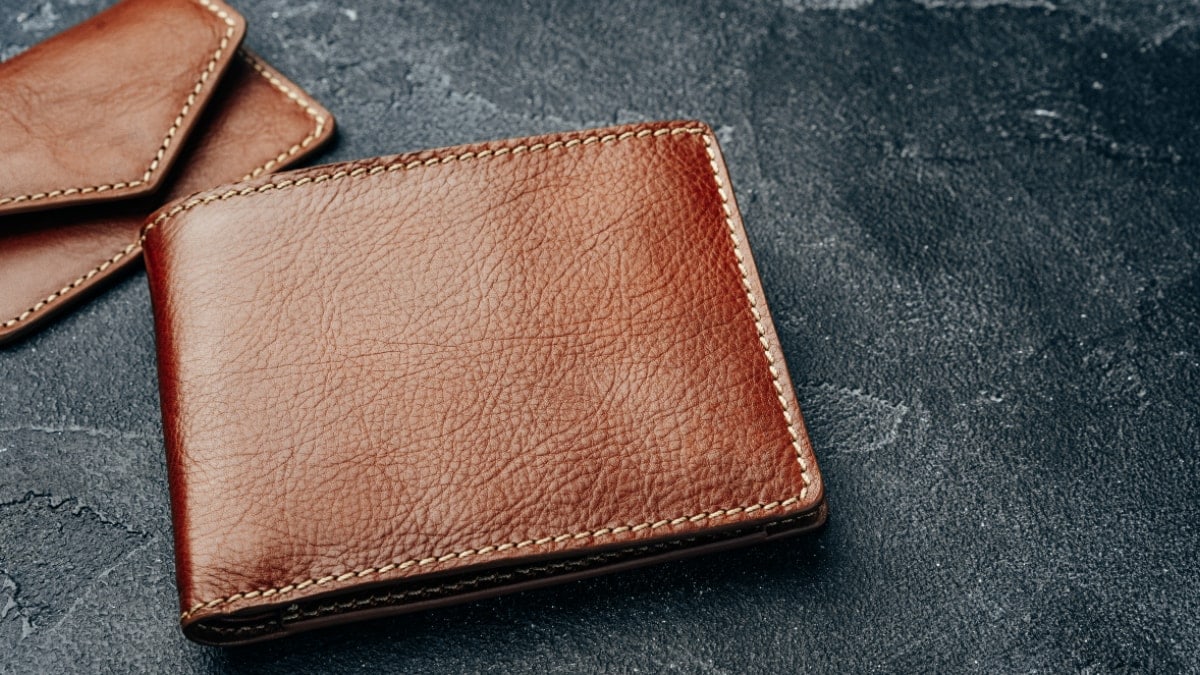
point(292, 95)
point(754, 311)
point(295, 97)
point(65, 290)
point(390, 598)
point(364, 171)
point(491, 548)
point(359, 172)
point(230, 27)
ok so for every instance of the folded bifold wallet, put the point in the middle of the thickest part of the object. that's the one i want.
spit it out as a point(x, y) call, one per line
point(405, 382)
point(101, 125)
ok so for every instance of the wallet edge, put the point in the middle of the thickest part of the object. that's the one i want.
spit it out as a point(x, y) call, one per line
point(268, 621)
point(809, 497)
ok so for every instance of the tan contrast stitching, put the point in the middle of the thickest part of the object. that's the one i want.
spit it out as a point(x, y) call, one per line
point(292, 95)
point(295, 97)
point(363, 171)
point(493, 548)
point(230, 27)
point(758, 323)
point(553, 539)
point(296, 612)
point(56, 295)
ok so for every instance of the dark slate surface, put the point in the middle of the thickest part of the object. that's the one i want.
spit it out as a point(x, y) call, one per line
point(977, 227)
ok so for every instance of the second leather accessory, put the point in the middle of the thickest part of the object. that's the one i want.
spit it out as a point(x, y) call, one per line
point(146, 102)
point(403, 382)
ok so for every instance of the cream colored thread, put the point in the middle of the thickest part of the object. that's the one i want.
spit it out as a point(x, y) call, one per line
point(590, 534)
point(402, 166)
point(71, 286)
point(308, 140)
point(759, 327)
point(484, 550)
point(299, 100)
point(230, 27)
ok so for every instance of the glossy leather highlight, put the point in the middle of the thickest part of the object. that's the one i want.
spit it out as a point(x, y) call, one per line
point(410, 381)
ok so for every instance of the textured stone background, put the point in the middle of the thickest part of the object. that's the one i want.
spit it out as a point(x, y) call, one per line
point(976, 222)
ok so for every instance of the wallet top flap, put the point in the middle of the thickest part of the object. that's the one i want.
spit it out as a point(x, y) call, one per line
point(401, 367)
point(100, 111)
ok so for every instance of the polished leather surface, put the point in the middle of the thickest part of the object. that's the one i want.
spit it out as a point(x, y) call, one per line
point(983, 269)
point(257, 122)
point(399, 368)
point(99, 112)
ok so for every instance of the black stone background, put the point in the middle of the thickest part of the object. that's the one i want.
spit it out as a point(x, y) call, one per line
point(976, 222)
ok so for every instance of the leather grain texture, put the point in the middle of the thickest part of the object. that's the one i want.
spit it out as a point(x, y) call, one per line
point(984, 271)
point(406, 370)
point(99, 112)
point(257, 122)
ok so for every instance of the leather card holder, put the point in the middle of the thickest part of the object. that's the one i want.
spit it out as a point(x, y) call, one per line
point(400, 383)
point(143, 103)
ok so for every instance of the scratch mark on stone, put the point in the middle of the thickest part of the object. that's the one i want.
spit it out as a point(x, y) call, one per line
point(77, 510)
point(95, 432)
point(850, 420)
point(984, 4)
point(12, 606)
point(294, 10)
point(96, 579)
point(61, 537)
point(45, 19)
point(806, 5)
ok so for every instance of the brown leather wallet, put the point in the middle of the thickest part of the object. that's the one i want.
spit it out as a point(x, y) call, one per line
point(146, 102)
point(399, 383)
